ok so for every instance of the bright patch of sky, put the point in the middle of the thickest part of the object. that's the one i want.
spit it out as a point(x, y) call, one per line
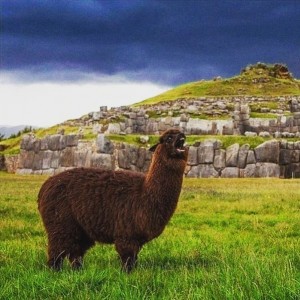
point(45, 104)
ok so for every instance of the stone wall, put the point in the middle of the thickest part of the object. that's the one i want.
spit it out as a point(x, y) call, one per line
point(9, 163)
point(240, 124)
point(183, 114)
point(57, 153)
point(2, 162)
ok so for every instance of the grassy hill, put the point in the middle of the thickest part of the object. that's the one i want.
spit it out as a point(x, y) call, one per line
point(254, 80)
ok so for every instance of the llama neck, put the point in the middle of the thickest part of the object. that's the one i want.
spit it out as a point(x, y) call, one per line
point(163, 185)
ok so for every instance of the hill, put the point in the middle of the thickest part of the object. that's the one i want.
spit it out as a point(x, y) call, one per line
point(255, 80)
point(270, 91)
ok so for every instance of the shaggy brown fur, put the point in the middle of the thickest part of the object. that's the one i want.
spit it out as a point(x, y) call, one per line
point(85, 205)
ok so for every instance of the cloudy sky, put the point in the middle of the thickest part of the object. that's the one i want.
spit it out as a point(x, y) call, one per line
point(60, 59)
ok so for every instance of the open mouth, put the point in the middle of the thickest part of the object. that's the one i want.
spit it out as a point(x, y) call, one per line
point(180, 144)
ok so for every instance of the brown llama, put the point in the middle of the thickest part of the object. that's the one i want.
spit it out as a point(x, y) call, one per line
point(86, 205)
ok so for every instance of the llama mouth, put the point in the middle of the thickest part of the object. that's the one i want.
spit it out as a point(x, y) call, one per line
point(180, 145)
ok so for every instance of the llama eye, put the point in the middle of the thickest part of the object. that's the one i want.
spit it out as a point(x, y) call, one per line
point(169, 139)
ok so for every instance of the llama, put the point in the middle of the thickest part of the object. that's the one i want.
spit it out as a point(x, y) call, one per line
point(82, 206)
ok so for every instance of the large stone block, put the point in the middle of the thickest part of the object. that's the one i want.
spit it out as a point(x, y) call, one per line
point(176, 121)
point(129, 122)
point(141, 157)
point(251, 157)
point(267, 170)
point(249, 171)
point(47, 157)
point(197, 126)
point(207, 171)
point(292, 170)
point(102, 160)
point(268, 152)
point(44, 143)
point(140, 121)
point(184, 118)
point(11, 163)
point(162, 127)
point(104, 145)
point(48, 172)
point(287, 156)
point(232, 153)
point(30, 143)
point(71, 140)
point(2, 162)
point(114, 128)
point(55, 142)
point(227, 130)
point(37, 162)
point(206, 151)
point(230, 172)
point(80, 158)
point(221, 124)
point(168, 121)
point(123, 161)
point(220, 159)
point(26, 159)
point(193, 156)
point(67, 157)
point(127, 156)
point(151, 127)
point(242, 156)
point(24, 171)
point(27, 142)
point(88, 161)
point(55, 160)
point(193, 172)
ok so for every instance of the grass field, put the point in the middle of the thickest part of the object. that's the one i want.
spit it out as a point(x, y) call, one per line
point(229, 239)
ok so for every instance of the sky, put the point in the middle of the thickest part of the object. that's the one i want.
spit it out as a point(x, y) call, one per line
point(61, 59)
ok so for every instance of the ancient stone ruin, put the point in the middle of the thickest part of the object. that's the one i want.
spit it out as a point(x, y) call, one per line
point(57, 153)
point(186, 115)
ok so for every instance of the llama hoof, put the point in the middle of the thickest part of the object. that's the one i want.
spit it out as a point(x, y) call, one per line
point(55, 267)
point(129, 265)
point(127, 268)
point(77, 264)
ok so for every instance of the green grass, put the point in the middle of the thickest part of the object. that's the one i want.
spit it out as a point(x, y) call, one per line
point(226, 140)
point(229, 239)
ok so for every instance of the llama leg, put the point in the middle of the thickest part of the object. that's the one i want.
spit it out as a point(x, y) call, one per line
point(66, 239)
point(56, 256)
point(80, 246)
point(76, 262)
point(128, 251)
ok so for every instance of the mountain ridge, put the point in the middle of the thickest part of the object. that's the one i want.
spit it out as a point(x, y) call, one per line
point(7, 130)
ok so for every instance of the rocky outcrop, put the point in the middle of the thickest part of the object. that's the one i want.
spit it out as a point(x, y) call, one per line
point(208, 158)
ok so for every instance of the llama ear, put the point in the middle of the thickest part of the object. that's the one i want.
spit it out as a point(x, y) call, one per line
point(152, 149)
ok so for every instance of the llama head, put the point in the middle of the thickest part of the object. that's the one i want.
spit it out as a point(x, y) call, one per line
point(172, 142)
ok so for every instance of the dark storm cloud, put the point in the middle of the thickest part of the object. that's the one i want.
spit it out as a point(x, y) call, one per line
point(166, 42)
